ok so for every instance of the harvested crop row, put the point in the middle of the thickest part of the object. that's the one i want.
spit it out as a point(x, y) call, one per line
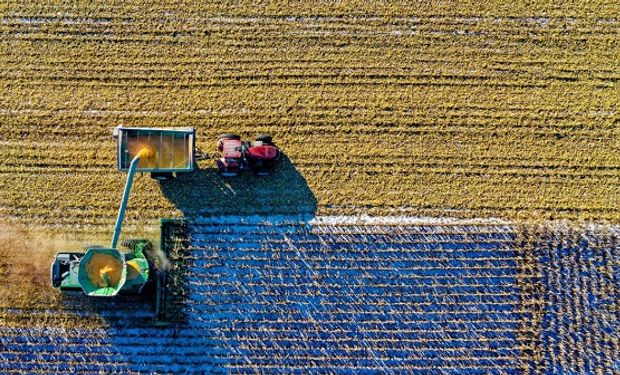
point(332, 292)
point(87, 198)
point(103, 11)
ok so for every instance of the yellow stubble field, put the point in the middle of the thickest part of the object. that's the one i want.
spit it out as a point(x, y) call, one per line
point(441, 109)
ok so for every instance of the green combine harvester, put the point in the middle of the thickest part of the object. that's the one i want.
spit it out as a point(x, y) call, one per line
point(109, 271)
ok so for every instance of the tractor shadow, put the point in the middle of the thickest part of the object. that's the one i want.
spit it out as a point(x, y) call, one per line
point(199, 194)
point(205, 193)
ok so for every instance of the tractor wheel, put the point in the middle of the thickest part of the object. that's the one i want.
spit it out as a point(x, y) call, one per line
point(229, 136)
point(162, 176)
point(228, 174)
point(265, 138)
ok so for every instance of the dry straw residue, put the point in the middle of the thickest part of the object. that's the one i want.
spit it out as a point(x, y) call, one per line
point(380, 108)
point(25, 258)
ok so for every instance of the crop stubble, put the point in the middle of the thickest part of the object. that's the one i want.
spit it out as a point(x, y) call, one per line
point(418, 110)
point(336, 294)
point(473, 109)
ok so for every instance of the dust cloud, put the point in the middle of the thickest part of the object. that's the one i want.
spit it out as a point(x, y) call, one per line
point(26, 256)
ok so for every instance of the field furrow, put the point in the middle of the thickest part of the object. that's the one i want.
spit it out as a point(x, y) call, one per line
point(498, 111)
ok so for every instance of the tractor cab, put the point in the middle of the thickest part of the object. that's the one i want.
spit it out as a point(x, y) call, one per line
point(237, 155)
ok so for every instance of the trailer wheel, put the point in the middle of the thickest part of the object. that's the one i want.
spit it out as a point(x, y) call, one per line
point(162, 176)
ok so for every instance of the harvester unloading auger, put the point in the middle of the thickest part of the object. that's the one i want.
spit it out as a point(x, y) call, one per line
point(107, 271)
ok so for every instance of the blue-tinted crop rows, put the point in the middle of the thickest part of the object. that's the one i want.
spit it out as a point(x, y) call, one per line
point(286, 295)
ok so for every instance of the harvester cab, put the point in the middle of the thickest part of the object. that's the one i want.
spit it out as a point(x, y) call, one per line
point(109, 271)
point(101, 271)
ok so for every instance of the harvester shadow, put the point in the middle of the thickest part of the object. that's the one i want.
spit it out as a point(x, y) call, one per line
point(205, 193)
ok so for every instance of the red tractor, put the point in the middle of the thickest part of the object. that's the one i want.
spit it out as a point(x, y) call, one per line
point(238, 155)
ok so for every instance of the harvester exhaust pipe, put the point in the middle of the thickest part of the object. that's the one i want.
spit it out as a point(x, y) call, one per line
point(143, 153)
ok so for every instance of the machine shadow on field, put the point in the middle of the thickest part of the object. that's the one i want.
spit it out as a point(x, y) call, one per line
point(204, 192)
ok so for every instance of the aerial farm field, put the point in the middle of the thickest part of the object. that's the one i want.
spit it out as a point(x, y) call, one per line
point(448, 202)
